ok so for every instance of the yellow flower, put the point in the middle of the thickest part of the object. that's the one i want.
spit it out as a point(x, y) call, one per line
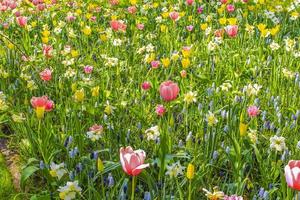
point(45, 40)
point(87, 30)
point(163, 28)
point(190, 172)
point(275, 30)
point(190, 18)
point(251, 8)
point(100, 165)
point(103, 37)
point(222, 20)
point(261, 27)
point(33, 24)
point(232, 21)
point(185, 63)
point(204, 26)
point(133, 2)
point(114, 17)
point(39, 111)
point(88, 15)
point(216, 195)
point(186, 52)
point(166, 62)
point(155, 5)
point(190, 97)
point(243, 129)
point(265, 33)
point(95, 91)
point(74, 53)
point(53, 173)
point(108, 109)
point(165, 14)
point(78, 12)
point(79, 95)
point(46, 33)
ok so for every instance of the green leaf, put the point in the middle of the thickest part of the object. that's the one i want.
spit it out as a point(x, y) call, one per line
point(26, 173)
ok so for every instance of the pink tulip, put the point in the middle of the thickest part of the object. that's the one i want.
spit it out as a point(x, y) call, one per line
point(132, 9)
point(146, 85)
point(46, 75)
point(114, 2)
point(199, 10)
point(189, 2)
point(230, 8)
point(96, 128)
point(160, 110)
point(174, 15)
point(117, 25)
point(190, 28)
point(41, 7)
point(292, 174)
point(22, 21)
point(253, 111)
point(42, 102)
point(132, 161)
point(231, 30)
point(168, 90)
point(47, 51)
point(140, 26)
point(155, 64)
point(88, 69)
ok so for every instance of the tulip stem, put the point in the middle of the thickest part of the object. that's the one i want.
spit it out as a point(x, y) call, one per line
point(133, 187)
point(296, 196)
point(190, 190)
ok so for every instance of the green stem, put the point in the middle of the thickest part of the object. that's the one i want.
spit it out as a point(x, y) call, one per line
point(296, 196)
point(190, 190)
point(133, 187)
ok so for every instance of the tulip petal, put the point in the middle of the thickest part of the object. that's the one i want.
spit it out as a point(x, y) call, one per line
point(288, 176)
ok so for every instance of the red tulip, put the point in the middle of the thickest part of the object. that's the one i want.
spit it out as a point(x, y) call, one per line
point(168, 90)
point(46, 75)
point(132, 161)
point(292, 174)
point(41, 104)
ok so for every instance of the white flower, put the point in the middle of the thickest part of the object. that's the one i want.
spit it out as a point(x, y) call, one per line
point(190, 97)
point(152, 133)
point(57, 170)
point(175, 169)
point(274, 46)
point(288, 74)
point(277, 143)
point(252, 89)
point(117, 42)
point(69, 191)
point(225, 86)
point(212, 46)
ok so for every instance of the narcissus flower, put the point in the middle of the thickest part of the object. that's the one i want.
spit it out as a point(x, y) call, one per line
point(132, 161)
point(41, 104)
point(69, 191)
